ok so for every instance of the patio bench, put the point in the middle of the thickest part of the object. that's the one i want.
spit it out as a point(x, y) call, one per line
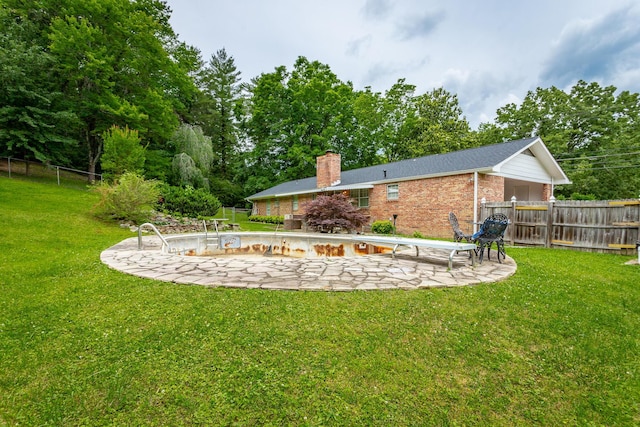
point(453, 247)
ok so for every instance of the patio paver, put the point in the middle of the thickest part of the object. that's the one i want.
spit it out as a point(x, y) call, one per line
point(368, 272)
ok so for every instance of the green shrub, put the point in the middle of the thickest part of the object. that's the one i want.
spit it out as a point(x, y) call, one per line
point(122, 152)
point(382, 227)
point(129, 198)
point(580, 196)
point(269, 219)
point(418, 235)
point(189, 201)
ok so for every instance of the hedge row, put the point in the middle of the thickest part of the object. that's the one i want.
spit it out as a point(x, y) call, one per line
point(269, 219)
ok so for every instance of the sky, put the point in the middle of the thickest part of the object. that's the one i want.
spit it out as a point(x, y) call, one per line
point(488, 53)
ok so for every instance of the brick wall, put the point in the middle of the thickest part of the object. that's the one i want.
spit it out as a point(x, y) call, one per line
point(423, 205)
point(491, 187)
point(328, 170)
point(283, 206)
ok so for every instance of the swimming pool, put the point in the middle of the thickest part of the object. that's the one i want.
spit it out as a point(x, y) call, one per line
point(295, 245)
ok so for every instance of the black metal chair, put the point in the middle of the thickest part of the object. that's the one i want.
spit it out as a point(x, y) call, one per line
point(492, 230)
point(458, 234)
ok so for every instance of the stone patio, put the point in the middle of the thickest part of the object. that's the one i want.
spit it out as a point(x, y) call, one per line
point(369, 272)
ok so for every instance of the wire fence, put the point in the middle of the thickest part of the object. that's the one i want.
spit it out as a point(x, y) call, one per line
point(62, 175)
point(231, 212)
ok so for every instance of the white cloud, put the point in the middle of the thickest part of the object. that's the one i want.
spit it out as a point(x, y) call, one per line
point(418, 26)
point(377, 9)
point(595, 50)
point(486, 53)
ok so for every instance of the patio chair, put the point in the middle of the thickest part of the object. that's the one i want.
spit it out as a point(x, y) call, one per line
point(492, 230)
point(458, 234)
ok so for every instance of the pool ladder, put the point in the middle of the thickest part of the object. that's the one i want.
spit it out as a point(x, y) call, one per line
point(165, 244)
point(206, 234)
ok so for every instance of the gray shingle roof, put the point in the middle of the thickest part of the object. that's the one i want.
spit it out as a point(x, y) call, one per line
point(473, 159)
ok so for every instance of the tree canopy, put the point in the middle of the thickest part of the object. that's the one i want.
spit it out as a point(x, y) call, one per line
point(591, 130)
point(111, 61)
point(70, 70)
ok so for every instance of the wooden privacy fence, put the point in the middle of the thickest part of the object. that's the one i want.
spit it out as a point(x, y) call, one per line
point(593, 226)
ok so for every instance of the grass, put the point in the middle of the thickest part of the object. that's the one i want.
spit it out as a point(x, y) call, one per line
point(80, 344)
point(242, 219)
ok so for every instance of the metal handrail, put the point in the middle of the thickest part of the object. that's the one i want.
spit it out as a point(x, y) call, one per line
point(153, 227)
point(206, 233)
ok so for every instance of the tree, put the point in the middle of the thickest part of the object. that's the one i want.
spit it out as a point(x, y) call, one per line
point(590, 130)
point(218, 111)
point(265, 129)
point(192, 163)
point(114, 62)
point(398, 114)
point(122, 152)
point(293, 118)
point(369, 135)
point(221, 92)
point(33, 120)
point(439, 127)
point(331, 213)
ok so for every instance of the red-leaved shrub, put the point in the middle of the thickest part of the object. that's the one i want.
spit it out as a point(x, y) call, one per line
point(330, 213)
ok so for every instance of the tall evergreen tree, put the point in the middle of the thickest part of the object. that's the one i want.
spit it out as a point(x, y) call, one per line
point(217, 111)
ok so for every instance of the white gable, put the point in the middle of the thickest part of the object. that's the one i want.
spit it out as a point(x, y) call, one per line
point(525, 167)
point(534, 164)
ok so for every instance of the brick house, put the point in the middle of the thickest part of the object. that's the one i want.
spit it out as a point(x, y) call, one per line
point(422, 191)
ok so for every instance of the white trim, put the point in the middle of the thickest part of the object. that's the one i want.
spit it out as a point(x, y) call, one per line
point(475, 202)
point(315, 191)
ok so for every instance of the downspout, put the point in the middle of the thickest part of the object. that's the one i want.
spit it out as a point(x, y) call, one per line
point(475, 201)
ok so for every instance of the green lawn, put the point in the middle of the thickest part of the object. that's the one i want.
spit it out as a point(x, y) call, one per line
point(80, 344)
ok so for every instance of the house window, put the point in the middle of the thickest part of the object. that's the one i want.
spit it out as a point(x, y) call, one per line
point(361, 196)
point(268, 207)
point(295, 203)
point(392, 192)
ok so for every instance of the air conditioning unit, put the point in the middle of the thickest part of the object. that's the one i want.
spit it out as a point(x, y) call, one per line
point(288, 216)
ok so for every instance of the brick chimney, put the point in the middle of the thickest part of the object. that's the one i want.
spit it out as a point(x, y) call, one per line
point(328, 170)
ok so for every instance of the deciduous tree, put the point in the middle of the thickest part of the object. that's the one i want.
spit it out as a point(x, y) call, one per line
point(591, 130)
point(293, 118)
point(192, 163)
point(332, 213)
point(34, 121)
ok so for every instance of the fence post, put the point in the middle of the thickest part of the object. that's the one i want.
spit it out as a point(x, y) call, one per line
point(9, 165)
point(549, 237)
point(58, 173)
point(514, 201)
